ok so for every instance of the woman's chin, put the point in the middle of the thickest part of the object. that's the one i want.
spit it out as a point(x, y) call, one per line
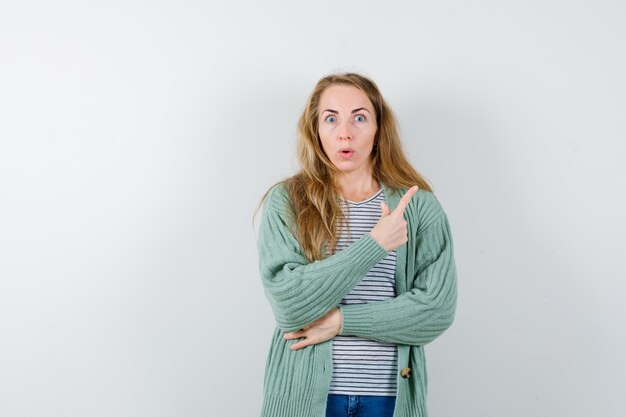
point(348, 167)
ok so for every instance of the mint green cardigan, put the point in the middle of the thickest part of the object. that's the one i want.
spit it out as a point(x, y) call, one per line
point(296, 383)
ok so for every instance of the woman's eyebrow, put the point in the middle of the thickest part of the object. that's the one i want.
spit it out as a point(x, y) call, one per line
point(353, 111)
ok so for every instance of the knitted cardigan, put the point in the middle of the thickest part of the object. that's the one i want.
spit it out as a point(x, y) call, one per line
point(296, 383)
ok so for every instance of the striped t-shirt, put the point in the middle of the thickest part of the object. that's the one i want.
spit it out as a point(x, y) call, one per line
point(364, 366)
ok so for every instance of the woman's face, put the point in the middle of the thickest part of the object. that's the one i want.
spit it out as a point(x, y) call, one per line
point(347, 127)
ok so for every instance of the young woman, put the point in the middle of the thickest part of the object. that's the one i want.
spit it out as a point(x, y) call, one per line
point(356, 260)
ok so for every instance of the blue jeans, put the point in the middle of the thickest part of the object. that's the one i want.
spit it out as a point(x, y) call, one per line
point(359, 406)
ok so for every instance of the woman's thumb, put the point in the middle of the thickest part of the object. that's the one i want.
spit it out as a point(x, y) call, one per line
point(384, 208)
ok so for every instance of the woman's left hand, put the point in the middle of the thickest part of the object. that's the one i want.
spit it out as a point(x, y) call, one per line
point(321, 330)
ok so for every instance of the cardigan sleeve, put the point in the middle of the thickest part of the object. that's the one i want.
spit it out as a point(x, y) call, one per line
point(299, 291)
point(421, 314)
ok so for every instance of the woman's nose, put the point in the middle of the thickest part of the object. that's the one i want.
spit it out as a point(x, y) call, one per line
point(345, 131)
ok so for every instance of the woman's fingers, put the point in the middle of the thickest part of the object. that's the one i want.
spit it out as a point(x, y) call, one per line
point(404, 201)
point(321, 330)
point(391, 230)
point(294, 335)
point(301, 344)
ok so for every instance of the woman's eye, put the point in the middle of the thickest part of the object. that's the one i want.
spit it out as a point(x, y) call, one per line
point(330, 119)
point(360, 118)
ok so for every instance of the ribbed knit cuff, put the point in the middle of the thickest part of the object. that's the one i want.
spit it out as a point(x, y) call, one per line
point(357, 320)
point(367, 250)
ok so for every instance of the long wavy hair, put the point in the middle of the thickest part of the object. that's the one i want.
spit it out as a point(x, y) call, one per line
point(314, 196)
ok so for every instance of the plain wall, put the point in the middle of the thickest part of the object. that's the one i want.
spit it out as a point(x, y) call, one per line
point(136, 139)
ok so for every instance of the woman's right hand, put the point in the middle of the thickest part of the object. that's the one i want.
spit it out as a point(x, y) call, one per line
point(391, 232)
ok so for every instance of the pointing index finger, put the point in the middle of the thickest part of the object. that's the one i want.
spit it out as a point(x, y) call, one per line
point(406, 198)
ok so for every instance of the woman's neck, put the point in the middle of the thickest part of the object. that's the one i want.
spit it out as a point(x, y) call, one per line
point(357, 188)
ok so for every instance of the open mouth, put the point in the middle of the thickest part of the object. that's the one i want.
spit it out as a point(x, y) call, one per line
point(346, 153)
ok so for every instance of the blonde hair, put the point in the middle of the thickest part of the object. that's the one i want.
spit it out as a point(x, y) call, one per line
point(313, 193)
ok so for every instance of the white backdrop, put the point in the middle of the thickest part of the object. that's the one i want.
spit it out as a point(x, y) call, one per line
point(138, 137)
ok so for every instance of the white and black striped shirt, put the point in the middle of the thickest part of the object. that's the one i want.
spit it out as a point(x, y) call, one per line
point(364, 366)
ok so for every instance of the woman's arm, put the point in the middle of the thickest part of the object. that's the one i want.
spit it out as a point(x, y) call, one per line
point(420, 315)
point(298, 291)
